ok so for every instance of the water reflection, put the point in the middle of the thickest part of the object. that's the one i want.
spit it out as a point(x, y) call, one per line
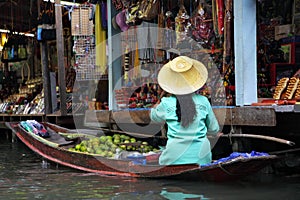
point(25, 175)
point(180, 195)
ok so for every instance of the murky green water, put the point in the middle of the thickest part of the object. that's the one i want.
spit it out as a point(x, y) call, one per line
point(25, 175)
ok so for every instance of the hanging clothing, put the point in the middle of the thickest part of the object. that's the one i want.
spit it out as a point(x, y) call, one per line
point(189, 144)
point(100, 33)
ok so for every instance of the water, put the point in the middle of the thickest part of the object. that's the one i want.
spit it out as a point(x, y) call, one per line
point(25, 175)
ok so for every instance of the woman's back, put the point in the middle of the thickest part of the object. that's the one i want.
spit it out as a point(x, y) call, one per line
point(191, 139)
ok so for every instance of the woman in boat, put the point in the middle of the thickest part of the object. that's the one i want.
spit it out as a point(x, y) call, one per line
point(189, 116)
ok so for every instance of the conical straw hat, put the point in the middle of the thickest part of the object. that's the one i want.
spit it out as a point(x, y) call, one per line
point(182, 75)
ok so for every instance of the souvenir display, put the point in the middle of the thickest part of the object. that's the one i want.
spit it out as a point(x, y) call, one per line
point(14, 50)
point(281, 85)
point(297, 93)
point(138, 97)
point(291, 88)
point(199, 29)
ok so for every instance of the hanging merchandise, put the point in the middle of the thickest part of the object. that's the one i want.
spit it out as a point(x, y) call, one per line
point(150, 9)
point(146, 37)
point(136, 63)
point(160, 33)
point(14, 50)
point(46, 28)
point(81, 23)
point(121, 20)
point(170, 36)
point(202, 26)
point(117, 4)
point(182, 26)
point(100, 34)
point(220, 13)
point(227, 32)
point(215, 16)
point(103, 14)
point(126, 63)
point(132, 14)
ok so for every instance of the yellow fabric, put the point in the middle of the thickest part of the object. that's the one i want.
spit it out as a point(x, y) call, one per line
point(136, 61)
point(100, 34)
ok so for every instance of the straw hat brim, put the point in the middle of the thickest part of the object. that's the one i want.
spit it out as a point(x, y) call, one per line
point(182, 81)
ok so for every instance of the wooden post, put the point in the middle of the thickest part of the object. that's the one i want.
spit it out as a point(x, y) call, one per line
point(60, 57)
point(46, 78)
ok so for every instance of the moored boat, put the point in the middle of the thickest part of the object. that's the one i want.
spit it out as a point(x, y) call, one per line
point(56, 148)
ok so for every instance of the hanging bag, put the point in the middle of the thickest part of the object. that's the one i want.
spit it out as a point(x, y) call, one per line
point(46, 29)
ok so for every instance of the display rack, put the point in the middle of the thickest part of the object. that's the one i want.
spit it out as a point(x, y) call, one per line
point(82, 28)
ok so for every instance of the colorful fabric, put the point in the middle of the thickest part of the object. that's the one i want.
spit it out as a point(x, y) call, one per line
point(236, 155)
point(186, 144)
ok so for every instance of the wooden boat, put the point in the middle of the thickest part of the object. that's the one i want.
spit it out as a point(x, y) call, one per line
point(56, 149)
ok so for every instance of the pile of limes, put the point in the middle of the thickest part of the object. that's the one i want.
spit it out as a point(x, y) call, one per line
point(107, 146)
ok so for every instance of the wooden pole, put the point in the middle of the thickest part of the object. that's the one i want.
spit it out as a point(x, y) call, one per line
point(264, 137)
point(46, 78)
point(60, 57)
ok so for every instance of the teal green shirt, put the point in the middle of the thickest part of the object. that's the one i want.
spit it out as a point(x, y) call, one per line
point(186, 144)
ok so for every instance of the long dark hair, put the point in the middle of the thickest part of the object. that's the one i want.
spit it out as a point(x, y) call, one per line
point(185, 109)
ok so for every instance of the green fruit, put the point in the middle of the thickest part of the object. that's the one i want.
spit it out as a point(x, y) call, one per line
point(102, 146)
point(77, 147)
point(145, 143)
point(102, 138)
point(108, 137)
point(98, 151)
point(71, 149)
point(117, 141)
point(110, 154)
point(106, 147)
point(95, 141)
point(123, 136)
point(84, 143)
point(126, 141)
point(112, 149)
point(109, 143)
point(82, 148)
point(132, 140)
point(123, 146)
point(129, 148)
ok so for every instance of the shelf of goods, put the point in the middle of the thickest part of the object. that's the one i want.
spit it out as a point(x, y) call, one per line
point(137, 97)
point(84, 47)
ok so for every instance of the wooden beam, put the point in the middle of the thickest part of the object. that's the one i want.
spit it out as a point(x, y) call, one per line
point(60, 57)
point(237, 116)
